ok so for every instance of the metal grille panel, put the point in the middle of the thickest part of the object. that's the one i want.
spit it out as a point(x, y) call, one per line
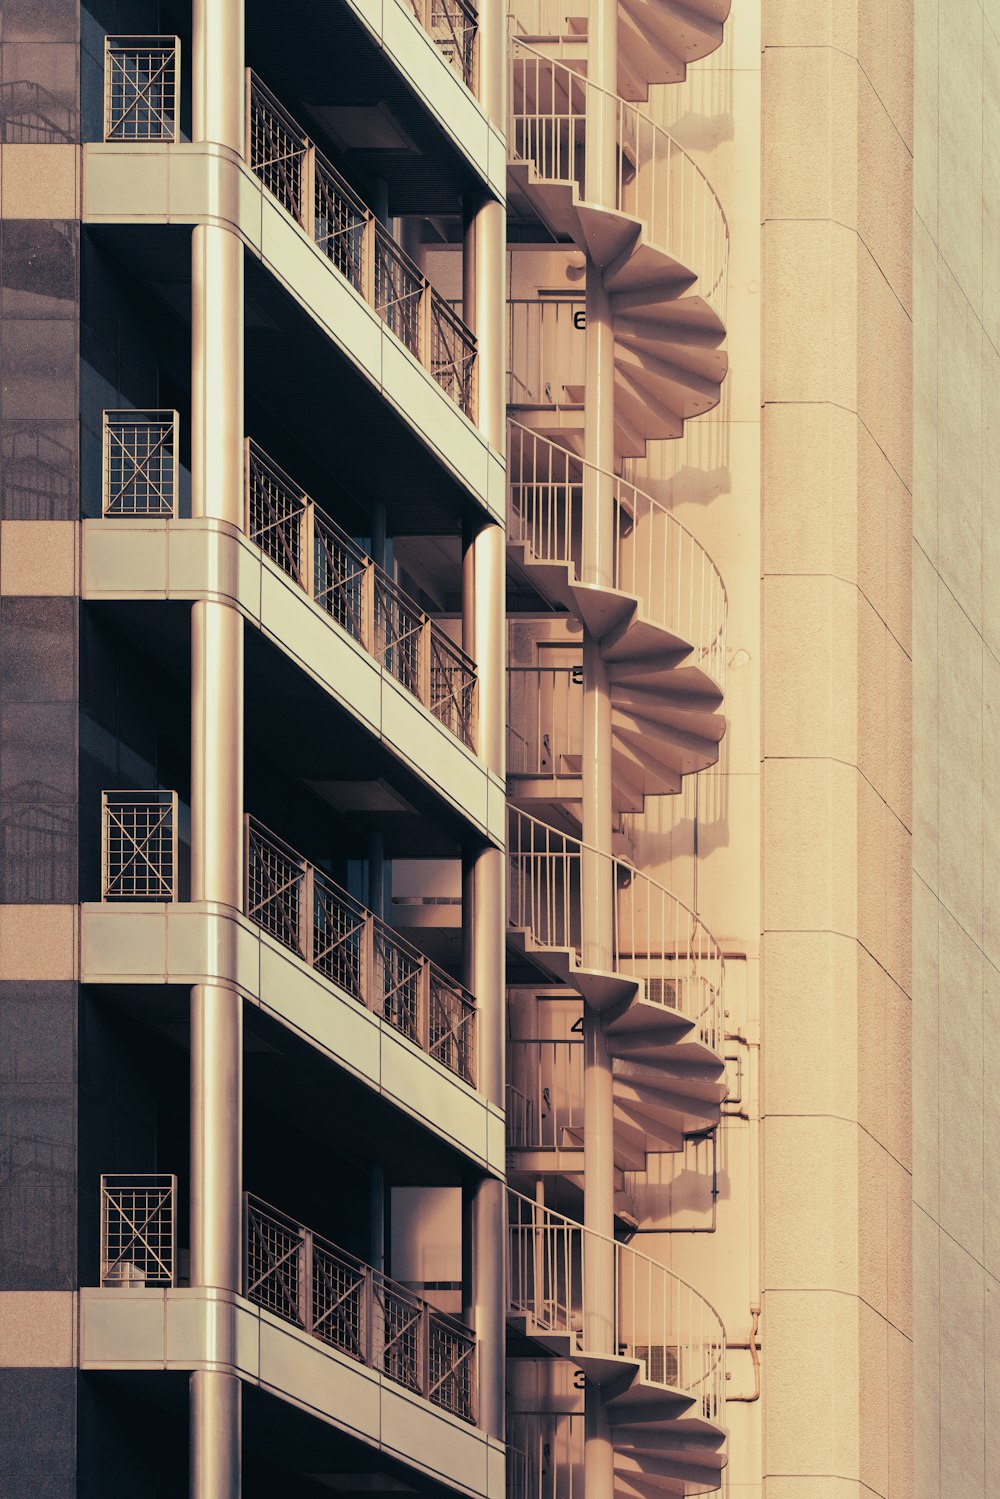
point(140, 462)
point(140, 845)
point(137, 1230)
point(141, 76)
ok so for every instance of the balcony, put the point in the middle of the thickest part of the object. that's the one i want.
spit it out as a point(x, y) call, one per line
point(308, 915)
point(340, 224)
point(302, 1279)
point(141, 480)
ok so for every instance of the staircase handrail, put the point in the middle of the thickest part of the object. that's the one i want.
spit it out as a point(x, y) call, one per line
point(680, 962)
point(659, 1318)
point(651, 546)
point(643, 189)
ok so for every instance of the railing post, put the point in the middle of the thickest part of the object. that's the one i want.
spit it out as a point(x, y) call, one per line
point(368, 259)
point(424, 1007)
point(307, 912)
point(307, 191)
point(366, 978)
point(424, 662)
point(424, 1352)
point(367, 621)
point(307, 545)
point(425, 351)
point(306, 1281)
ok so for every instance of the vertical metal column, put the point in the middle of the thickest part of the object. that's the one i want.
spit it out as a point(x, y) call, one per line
point(484, 638)
point(598, 892)
point(216, 745)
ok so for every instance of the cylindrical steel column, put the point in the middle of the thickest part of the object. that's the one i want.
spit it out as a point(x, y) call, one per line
point(485, 1228)
point(217, 431)
point(601, 168)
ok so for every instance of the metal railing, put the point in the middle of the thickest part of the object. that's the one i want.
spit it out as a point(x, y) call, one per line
point(139, 845)
point(304, 1279)
point(310, 188)
point(544, 1094)
point(137, 1230)
point(312, 916)
point(140, 463)
point(358, 595)
point(655, 181)
point(655, 558)
point(546, 352)
point(142, 77)
point(656, 938)
point(655, 1317)
point(545, 1452)
point(453, 26)
point(32, 115)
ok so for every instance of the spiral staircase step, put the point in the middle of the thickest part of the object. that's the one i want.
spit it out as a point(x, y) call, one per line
point(600, 989)
point(672, 749)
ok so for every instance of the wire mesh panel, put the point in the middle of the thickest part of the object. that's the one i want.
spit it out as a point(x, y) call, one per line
point(140, 463)
point(275, 511)
point(141, 87)
point(274, 1246)
point(398, 982)
point(454, 25)
point(451, 1356)
point(397, 1333)
point(453, 354)
point(340, 1300)
point(398, 634)
point(139, 845)
point(452, 687)
point(274, 876)
point(340, 223)
point(339, 572)
point(339, 928)
point(451, 1026)
point(399, 290)
point(277, 148)
point(137, 1230)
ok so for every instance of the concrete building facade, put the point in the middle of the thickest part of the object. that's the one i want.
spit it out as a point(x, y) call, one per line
point(497, 675)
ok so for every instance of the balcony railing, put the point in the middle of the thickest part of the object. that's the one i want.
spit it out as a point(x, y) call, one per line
point(544, 1094)
point(658, 1319)
point(655, 558)
point(141, 87)
point(346, 1304)
point(656, 938)
point(137, 1230)
point(304, 910)
point(544, 720)
point(139, 846)
point(546, 352)
point(140, 463)
point(453, 26)
point(318, 198)
point(358, 595)
point(655, 181)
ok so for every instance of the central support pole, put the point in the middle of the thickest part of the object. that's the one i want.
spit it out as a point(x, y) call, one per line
point(217, 431)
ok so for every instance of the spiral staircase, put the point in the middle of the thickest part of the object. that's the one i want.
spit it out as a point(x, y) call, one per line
point(657, 39)
point(663, 1386)
point(662, 245)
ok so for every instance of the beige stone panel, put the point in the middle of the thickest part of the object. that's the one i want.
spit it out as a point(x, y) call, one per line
point(884, 365)
point(811, 1413)
point(873, 893)
point(963, 1423)
point(871, 1047)
point(810, 1010)
point(873, 1223)
point(960, 1036)
point(898, 913)
point(804, 91)
point(925, 389)
point(811, 489)
point(991, 1119)
point(926, 1053)
point(991, 184)
point(811, 23)
point(38, 942)
point(898, 550)
point(925, 718)
point(809, 693)
point(810, 332)
point(885, 190)
point(810, 846)
point(991, 807)
point(873, 486)
point(873, 1395)
point(37, 1329)
point(991, 493)
point(991, 1392)
point(799, 1487)
point(729, 902)
point(960, 145)
point(960, 765)
point(899, 735)
point(898, 1073)
point(960, 447)
point(899, 1246)
point(872, 728)
point(900, 1412)
point(926, 1355)
point(38, 557)
point(885, 51)
point(40, 181)
point(925, 119)
point(810, 1203)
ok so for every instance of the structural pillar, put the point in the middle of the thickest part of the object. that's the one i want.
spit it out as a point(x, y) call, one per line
point(217, 432)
